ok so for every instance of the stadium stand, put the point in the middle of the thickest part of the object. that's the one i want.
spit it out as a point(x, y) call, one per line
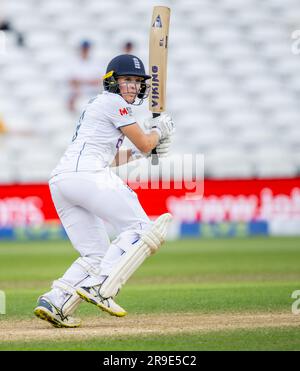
point(233, 81)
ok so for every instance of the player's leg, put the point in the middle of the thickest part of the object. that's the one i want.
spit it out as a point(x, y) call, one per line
point(119, 205)
point(58, 305)
point(125, 255)
point(88, 235)
point(115, 203)
point(134, 255)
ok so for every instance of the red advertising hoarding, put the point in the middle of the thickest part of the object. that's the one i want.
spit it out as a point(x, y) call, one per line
point(223, 200)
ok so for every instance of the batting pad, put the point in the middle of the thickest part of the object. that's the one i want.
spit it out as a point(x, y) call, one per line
point(148, 244)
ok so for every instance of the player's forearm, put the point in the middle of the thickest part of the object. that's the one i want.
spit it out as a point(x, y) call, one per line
point(149, 142)
point(144, 142)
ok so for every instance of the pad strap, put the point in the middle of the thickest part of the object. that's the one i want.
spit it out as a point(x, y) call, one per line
point(88, 266)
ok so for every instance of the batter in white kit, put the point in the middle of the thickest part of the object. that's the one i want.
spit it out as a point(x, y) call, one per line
point(87, 193)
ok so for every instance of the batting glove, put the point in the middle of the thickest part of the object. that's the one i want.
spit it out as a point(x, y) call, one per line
point(163, 148)
point(162, 124)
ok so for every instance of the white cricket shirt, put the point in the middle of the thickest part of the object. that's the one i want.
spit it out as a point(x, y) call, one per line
point(98, 136)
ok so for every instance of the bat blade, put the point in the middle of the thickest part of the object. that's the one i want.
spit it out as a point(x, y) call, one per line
point(158, 55)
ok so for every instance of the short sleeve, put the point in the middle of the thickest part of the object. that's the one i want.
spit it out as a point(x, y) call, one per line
point(119, 112)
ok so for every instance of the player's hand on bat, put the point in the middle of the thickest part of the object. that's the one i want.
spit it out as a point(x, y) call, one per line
point(163, 148)
point(163, 124)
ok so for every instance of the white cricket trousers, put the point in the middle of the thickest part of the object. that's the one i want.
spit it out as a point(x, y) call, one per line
point(84, 200)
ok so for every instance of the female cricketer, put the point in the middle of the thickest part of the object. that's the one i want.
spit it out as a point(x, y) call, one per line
point(87, 193)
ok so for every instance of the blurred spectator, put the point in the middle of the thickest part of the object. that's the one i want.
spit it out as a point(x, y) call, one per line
point(3, 128)
point(8, 127)
point(128, 47)
point(83, 77)
point(6, 25)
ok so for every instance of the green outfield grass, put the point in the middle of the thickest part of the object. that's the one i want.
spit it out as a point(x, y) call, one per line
point(193, 276)
point(239, 340)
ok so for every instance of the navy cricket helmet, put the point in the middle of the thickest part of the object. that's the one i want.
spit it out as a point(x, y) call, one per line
point(125, 65)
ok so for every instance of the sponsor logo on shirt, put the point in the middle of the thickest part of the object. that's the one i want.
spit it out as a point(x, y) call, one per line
point(125, 111)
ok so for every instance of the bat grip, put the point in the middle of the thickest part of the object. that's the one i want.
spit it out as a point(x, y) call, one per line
point(154, 155)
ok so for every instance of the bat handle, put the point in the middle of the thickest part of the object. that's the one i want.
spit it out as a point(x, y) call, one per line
point(154, 155)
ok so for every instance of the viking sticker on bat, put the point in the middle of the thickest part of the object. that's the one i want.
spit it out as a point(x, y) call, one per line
point(155, 86)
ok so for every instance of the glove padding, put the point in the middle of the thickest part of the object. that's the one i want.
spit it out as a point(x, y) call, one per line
point(162, 124)
point(163, 147)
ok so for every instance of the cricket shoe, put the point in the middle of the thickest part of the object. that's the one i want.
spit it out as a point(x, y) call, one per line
point(92, 295)
point(47, 311)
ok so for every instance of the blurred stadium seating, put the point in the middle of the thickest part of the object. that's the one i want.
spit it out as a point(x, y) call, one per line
point(233, 81)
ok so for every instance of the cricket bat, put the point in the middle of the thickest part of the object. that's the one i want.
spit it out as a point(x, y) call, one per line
point(158, 55)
